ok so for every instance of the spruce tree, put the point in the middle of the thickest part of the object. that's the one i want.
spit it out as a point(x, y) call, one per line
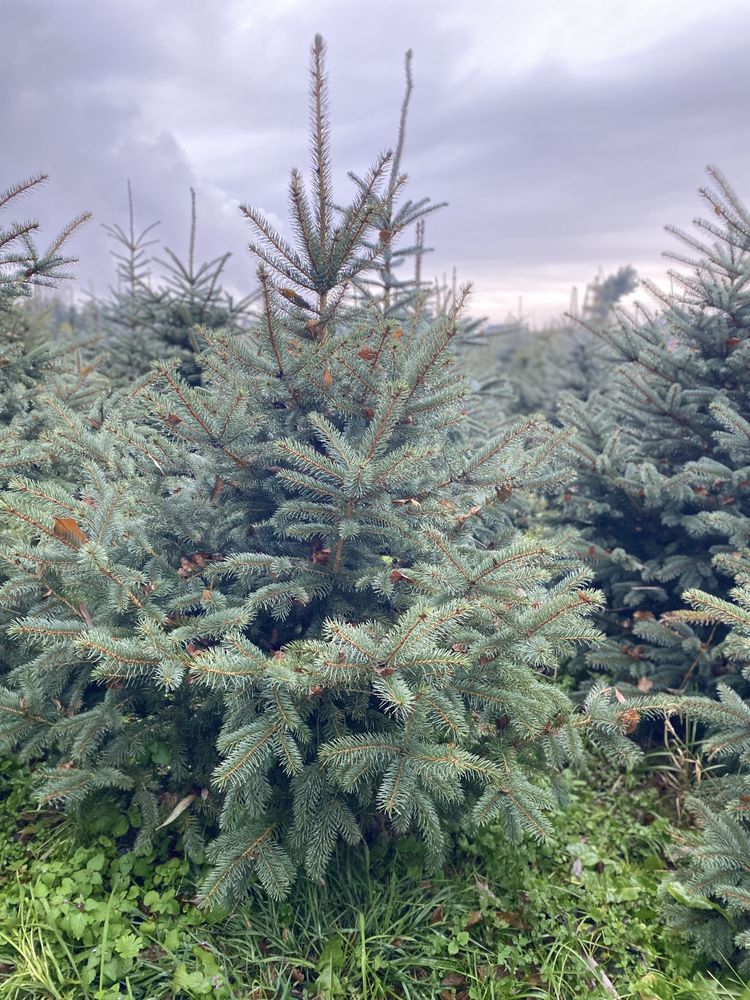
point(711, 895)
point(661, 491)
point(526, 369)
point(397, 293)
point(27, 362)
point(24, 266)
point(289, 604)
point(157, 303)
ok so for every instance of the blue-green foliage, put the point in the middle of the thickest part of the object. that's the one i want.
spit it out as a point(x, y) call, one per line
point(149, 316)
point(286, 604)
point(662, 489)
point(663, 497)
point(23, 266)
point(713, 896)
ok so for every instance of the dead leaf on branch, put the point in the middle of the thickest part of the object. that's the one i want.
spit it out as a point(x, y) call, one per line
point(196, 563)
point(470, 513)
point(178, 810)
point(68, 530)
point(291, 296)
point(630, 720)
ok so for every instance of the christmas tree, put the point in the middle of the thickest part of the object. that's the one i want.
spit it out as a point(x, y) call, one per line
point(287, 605)
point(711, 900)
point(24, 266)
point(527, 369)
point(28, 363)
point(148, 316)
point(661, 491)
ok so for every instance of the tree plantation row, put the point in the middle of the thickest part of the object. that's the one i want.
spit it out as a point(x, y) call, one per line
point(311, 568)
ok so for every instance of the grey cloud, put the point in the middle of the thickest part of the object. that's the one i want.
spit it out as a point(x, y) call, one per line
point(548, 173)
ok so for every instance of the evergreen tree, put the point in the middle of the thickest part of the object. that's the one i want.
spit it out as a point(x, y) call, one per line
point(396, 295)
point(24, 266)
point(27, 362)
point(526, 370)
point(290, 599)
point(663, 468)
point(150, 316)
point(711, 902)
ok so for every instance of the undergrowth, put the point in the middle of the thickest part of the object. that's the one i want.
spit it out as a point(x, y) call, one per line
point(576, 917)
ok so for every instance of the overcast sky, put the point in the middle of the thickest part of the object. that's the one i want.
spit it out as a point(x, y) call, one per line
point(563, 133)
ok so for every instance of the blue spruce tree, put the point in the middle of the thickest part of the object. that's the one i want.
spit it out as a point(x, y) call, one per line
point(286, 605)
point(661, 493)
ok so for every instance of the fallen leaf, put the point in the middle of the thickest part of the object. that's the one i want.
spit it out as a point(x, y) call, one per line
point(512, 919)
point(453, 979)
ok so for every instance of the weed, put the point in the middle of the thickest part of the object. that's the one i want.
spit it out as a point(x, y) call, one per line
point(576, 917)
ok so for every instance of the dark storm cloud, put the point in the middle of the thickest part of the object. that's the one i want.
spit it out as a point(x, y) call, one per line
point(550, 170)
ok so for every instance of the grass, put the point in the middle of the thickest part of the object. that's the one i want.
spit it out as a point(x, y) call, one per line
point(577, 917)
